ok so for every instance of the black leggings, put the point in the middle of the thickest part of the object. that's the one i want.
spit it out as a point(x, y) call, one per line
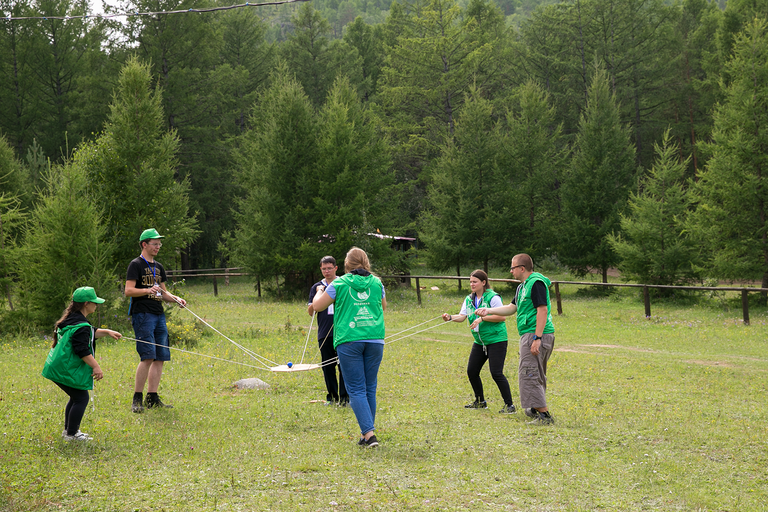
point(75, 409)
point(496, 354)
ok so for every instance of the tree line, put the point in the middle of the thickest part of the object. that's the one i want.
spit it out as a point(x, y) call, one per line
point(603, 133)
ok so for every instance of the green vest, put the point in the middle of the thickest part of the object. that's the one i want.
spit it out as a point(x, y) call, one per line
point(526, 313)
point(63, 366)
point(488, 332)
point(358, 313)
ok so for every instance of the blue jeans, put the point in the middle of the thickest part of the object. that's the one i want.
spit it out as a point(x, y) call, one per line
point(360, 363)
point(151, 328)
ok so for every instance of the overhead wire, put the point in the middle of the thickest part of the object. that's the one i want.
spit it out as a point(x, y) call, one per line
point(150, 13)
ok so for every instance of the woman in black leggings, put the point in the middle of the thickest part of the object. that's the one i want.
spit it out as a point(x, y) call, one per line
point(71, 364)
point(490, 334)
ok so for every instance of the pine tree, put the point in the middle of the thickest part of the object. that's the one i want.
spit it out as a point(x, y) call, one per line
point(274, 167)
point(132, 165)
point(732, 216)
point(467, 220)
point(534, 159)
point(65, 246)
point(597, 185)
point(655, 246)
point(354, 180)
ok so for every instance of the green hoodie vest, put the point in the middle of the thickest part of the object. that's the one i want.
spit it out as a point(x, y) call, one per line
point(358, 313)
point(488, 332)
point(526, 313)
point(63, 366)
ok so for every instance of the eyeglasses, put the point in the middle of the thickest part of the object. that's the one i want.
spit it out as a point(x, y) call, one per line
point(156, 245)
point(516, 266)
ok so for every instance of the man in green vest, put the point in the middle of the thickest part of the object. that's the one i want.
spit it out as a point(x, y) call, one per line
point(537, 336)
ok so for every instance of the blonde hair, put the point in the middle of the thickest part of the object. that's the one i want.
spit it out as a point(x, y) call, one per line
point(356, 258)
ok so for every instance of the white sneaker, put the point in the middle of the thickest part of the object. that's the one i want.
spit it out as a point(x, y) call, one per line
point(79, 436)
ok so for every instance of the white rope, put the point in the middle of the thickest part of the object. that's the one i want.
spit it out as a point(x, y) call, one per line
point(311, 323)
point(415, 326)
point(198, 354)
point(248, 351)
point(414, 333)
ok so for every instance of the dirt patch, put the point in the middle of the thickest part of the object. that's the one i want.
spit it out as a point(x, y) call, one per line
point(710, 363)
point(576, 348)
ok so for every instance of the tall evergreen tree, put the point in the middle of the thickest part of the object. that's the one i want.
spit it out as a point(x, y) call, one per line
point(354, 180)
point(274, 167)
point(469, 215)
point(17, 116)
point(597, 185)
point(132, 165)
point(65, 247)
point(732, 216)
point(654, 245)
point(14, 189)
point(436, 55)
point(315, 59)
point(534, 159)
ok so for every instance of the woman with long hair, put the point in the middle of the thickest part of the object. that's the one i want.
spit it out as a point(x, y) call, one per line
point(358, 335)
point(71, 364)
point(490, 341)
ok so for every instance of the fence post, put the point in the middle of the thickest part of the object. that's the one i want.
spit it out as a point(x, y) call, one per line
point(226, 278)
point(559, 300)
point(647, 300)
point(258, 285)
point(215, 287)
point(418, 291)
point(745, 306)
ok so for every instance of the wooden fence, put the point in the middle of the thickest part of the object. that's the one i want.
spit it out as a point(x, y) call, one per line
point(226, 273)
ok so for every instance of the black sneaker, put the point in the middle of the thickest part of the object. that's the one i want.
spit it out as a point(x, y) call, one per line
point(477, 404)
point(542, 419)
point(508, 409)
point(137, 406)
point(154, 401)
point(361, 442)
point(531, 412)
point(371, 442)
point(344, 402)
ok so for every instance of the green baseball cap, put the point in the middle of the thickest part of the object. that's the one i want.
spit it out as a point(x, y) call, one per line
point(86, 294)
point(149, 234)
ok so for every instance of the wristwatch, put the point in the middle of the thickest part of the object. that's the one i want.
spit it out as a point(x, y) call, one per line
point(536, 337)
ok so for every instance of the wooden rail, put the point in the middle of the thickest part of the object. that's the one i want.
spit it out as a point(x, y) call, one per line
point(235, 271)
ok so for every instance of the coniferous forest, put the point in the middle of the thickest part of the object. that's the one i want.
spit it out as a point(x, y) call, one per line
point(600, 133)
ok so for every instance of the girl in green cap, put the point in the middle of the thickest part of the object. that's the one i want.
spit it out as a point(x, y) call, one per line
point(71, 364)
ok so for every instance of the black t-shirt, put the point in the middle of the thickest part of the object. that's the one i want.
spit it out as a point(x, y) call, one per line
point(538, 294)
point(146, 274)
point(324, 318)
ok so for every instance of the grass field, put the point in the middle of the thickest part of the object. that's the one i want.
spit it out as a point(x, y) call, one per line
point(667, 413)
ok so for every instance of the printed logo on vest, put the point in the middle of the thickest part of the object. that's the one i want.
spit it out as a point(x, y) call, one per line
point(363, 295)
point(351, 325)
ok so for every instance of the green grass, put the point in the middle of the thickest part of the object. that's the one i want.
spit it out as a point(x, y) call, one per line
point(660, 414)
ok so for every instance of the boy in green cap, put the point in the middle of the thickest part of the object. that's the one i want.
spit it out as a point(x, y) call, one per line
point(145, 285)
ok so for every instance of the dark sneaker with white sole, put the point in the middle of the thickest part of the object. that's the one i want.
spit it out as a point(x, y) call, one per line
point(371, 442)
point(508, 409)
point(137, 406)
point(477, 404)
point(542, 418)
point(531, 412)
